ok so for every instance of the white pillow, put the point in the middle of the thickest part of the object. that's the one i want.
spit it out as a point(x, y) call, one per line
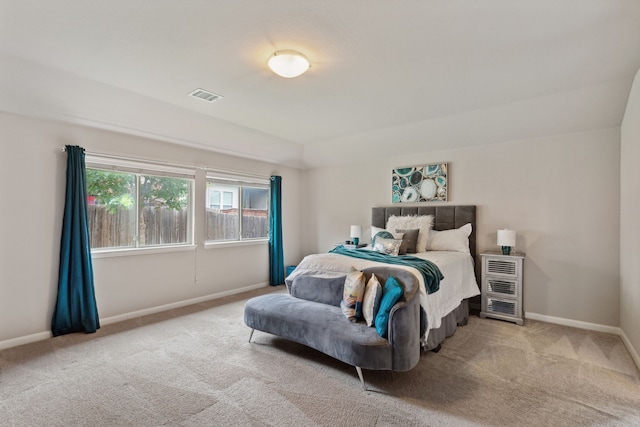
point(450, 240)
point(371, 302)
point(424, 223)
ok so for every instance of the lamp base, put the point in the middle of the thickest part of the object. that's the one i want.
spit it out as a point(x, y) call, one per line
point(356, 240)
point(506, 250)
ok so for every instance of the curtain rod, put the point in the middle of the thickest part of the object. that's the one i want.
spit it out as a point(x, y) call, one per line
point(164, 163)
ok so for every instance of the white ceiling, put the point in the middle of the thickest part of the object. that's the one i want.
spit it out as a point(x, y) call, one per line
point(409, 75)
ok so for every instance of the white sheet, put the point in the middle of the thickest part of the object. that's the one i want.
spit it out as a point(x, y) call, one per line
point(458, 284)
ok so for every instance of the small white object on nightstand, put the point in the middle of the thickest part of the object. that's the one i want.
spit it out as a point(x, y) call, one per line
point(502, 286)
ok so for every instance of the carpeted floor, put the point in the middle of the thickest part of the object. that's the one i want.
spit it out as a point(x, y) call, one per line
point(195, 367)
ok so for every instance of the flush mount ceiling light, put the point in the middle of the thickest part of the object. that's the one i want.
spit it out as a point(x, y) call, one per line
point(288, 63)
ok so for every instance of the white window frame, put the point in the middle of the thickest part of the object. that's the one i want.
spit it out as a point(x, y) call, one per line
point(141, 167)
point(239, 180)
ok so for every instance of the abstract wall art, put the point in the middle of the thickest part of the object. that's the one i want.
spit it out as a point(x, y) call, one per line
point(419, 184)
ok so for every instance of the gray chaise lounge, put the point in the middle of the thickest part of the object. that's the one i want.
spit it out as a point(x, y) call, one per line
point(310, 314)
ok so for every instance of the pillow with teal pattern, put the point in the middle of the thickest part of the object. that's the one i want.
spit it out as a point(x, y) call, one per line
point(391, 294)
point(353, 293)
point(371, 301)
point(375, 230)
point(384, 234)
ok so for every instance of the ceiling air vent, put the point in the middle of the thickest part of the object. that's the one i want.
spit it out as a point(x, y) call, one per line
point(205, 95)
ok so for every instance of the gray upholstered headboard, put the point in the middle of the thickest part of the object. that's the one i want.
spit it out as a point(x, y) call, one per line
point(445, 218)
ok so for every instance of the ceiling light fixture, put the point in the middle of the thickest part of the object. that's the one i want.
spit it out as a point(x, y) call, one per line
point(288, 63)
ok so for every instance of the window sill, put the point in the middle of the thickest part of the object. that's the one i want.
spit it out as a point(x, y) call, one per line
point(233, 243)
point(108, 253)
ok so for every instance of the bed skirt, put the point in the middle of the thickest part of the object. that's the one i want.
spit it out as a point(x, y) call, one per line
point(450, 322)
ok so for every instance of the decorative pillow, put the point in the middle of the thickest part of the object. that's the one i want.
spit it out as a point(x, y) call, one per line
point(450, 240)
point(374, 231)
point(391, 293)
point(409, 241)
point(381, 234)
point(387, 246)
point(353, 294)
point(371, 302)
point(424, 223)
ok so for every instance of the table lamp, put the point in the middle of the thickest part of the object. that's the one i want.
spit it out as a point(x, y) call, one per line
point(506, 239)
point(356, 232)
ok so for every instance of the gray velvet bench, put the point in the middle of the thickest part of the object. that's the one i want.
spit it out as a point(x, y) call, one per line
point(310, 315)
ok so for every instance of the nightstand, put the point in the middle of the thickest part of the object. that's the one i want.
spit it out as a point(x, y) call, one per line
point(502, 286)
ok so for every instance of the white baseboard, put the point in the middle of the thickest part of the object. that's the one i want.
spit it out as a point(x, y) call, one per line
point(632, 351)
point(574, 323)
point(27, 339)
point(40, 336)
point(591, 327)
point(165, 307)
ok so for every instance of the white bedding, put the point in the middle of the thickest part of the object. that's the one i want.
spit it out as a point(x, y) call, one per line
point(458, 284)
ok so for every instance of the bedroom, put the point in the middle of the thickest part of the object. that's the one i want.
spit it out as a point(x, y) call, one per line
point(529, 171)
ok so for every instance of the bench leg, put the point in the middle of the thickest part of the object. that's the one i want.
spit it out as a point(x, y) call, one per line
point(251, 334)
point(359, 370)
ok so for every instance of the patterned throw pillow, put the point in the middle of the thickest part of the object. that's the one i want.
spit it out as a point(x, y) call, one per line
point(371, 302)
point(353, 294)
point(387, 246)
point(375, 230)
point(391, 293)
point(381, 234)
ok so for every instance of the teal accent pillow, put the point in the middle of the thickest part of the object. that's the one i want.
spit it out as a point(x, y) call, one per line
point(382, 234)
point(391, 293)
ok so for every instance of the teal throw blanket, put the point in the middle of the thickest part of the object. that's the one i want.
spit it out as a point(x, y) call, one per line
point(430, 272)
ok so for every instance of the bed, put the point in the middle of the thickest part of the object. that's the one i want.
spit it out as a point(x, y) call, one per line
point(443, 310)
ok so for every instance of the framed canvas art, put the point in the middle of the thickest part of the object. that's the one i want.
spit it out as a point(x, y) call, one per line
point(419, 184)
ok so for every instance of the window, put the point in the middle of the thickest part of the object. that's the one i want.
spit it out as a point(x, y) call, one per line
point(133, 205)
point(215, 202)
point(237, 209)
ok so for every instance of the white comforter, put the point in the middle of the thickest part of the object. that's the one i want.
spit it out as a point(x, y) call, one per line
point(458, 284)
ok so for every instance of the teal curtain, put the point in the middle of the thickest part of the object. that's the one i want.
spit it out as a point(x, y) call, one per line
point(75, 309)
point(276, 257)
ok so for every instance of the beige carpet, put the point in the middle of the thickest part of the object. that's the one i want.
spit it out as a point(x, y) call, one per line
point(194, 367)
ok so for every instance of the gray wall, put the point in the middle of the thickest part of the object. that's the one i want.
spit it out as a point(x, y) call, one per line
point(629, 215)
point(560, 194)
point(32, 169)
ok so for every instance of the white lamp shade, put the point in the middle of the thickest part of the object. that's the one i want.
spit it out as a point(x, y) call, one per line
point(288, 63)
point(506, 237)
point(356, 231)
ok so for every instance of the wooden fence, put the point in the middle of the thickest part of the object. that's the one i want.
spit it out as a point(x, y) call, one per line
point(111, 229)
point(166, 226)
point(224, 225)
